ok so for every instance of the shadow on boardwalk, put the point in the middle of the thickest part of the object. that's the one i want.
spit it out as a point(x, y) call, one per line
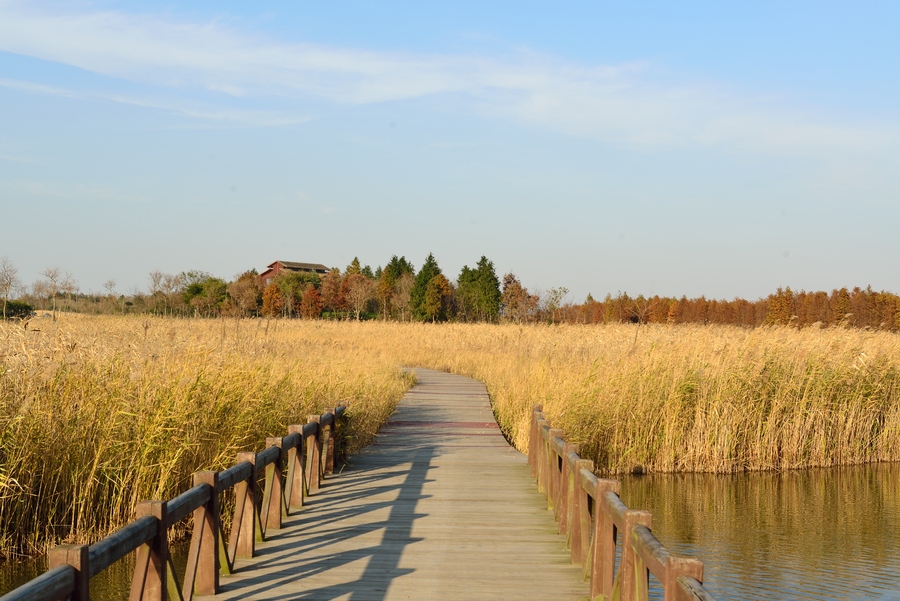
point(335, 529)
point(440, 507)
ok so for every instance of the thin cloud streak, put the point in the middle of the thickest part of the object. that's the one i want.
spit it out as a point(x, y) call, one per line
point(622, 104)
point(236, 117)
point(76, 191)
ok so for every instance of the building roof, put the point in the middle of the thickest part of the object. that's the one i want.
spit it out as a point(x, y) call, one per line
point(294, 266)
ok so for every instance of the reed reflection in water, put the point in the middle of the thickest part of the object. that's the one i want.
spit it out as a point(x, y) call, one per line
point(829, 533)
point(113, 584)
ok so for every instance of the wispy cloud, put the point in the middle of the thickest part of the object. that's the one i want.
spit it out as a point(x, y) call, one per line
point(625, 104)
point(184, 107)
point(69, 191)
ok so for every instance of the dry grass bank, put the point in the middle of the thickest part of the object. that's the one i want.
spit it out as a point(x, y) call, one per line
point(99, 412)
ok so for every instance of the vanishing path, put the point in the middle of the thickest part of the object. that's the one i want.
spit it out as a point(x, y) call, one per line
point(439, 507)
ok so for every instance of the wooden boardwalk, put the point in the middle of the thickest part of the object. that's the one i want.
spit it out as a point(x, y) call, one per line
point(439, 507)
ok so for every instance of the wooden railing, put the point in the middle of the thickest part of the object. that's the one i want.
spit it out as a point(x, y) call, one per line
point(293, 465)
point(591, 514)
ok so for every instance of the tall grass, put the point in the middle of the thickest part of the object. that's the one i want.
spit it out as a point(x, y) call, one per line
point(97, 413)
point(692, 398)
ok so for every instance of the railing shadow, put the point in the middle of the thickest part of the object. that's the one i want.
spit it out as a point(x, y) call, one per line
point(311, 546)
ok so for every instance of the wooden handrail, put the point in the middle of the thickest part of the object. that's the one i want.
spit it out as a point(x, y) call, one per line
point(187, 502)
point(54, 584)
point(120, 543)
point(595, 520)
point(309, 450)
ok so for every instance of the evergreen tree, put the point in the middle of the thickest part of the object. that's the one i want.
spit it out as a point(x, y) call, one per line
point(353, 267)
point(478, 293)
point(417, 295)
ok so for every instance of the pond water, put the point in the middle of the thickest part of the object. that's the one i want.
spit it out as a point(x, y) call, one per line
point(826, 534)
point(830, 533)
point(113, 584)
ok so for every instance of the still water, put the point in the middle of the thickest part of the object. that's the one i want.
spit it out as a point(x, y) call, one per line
point(113, 584)
point(813, 534)
point(809, 534)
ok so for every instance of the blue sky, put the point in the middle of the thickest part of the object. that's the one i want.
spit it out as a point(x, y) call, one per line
point(653, 148)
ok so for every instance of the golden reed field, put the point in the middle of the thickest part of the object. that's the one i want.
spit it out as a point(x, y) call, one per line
point(97, 413)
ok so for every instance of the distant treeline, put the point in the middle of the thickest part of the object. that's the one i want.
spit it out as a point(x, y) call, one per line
point(400, 292)
point(861, 308)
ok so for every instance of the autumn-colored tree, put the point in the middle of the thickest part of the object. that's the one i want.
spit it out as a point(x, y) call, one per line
point(353, 268)
point(292, 286)
point(840, 308)
point(781, 307)
point(516, 303)
point(272, 301)
point(311, 305)
point(387, 282)
point(437, 295)
point(245, 293)
point(330, 290)
point(861, 307)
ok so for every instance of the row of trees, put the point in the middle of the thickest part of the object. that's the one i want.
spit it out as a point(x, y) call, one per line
point(861, 308)
point(396, 291)
point(399, 292)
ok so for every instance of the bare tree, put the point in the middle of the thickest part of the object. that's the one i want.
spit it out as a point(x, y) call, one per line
point(69, 286)
point(156, 278)
point(400, 295)
point(171, 287)
point(9, 280)
point(53, 275)
point(553, 299)
point(360, 290)
point(165, 287)
point(110, 286)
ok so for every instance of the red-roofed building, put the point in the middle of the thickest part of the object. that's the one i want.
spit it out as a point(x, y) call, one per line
point(278, 267)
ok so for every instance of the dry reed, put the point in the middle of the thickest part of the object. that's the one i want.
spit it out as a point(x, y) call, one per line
point(97, 413)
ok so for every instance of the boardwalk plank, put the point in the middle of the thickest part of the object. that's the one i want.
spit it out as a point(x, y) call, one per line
point(439, 507)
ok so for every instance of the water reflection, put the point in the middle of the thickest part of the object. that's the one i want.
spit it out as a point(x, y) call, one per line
point(811, 534)
point(113, 584)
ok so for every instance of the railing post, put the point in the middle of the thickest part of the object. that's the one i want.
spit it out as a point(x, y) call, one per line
point(295, 489)
point(328, 444)
point(563, 508)
point(534, 436)
point(77, 557)
point(634, 574)
point(580, 517)
point(602, 559)
point(541, 457)
point(202, 574)
point(677, 567)
point(339, 427)
point(273, 495)
point(313, 460)
point(150, 581)
point(552, 469)
point(243, 528)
